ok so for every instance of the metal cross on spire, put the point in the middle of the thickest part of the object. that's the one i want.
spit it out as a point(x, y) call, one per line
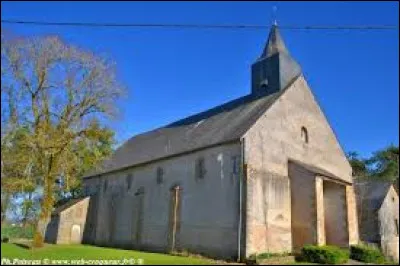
point(274, 9)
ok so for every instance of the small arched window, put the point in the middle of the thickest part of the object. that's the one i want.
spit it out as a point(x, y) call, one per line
point(304, 134)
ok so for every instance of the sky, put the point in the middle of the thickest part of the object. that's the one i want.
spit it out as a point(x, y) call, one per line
point(174, 73)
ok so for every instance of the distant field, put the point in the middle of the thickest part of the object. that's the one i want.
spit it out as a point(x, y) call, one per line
point(76, 252)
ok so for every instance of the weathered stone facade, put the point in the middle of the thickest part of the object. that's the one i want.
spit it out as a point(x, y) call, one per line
point(138, 215)
point(378, 207)
point(389, 225)
point(352, 216)
point(262, 173)
point(68, 224)
point(274, 140)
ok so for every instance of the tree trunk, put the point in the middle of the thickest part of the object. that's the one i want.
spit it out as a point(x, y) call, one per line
point(46, 204)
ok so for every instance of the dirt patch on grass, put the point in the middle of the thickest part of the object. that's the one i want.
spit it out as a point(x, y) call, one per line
point(277, 260)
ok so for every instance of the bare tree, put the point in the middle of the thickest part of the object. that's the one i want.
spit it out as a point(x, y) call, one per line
point(58, 98)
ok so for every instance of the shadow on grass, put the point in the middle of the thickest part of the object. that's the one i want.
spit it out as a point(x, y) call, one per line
point(22, 245)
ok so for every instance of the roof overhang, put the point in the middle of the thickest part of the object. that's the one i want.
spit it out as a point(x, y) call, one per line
point(321, 172)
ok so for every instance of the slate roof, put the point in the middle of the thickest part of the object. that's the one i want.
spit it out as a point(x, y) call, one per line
point(221, 124)
point(66, 205)
point(275, 43)
point(373, 191)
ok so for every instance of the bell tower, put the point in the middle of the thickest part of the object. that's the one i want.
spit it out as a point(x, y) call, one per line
point(275, 68)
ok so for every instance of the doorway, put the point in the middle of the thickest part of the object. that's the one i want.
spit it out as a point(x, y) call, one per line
point(75, 234)
point(335, 210)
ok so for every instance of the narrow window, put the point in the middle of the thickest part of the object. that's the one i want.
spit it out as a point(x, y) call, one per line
point(129, 179)
point(200, 168)
point(235, 164)
point(160, 175)
point(396, 226)
point(105, 185)
point(304, 134)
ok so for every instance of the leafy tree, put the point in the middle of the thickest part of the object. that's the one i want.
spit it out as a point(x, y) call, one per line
point(30, 206)
point(358, 165)
point(16, 169)
point(384, 163)
point(58, 96)
point(87, 153)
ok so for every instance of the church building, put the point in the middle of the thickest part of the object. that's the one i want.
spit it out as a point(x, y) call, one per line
point(261, 173)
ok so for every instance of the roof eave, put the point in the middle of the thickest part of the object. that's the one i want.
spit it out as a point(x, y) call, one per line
point(231, 141)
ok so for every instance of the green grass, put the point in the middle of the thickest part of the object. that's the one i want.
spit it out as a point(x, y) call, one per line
point(76, 252)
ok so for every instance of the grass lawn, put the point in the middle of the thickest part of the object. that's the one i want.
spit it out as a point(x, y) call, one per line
point(76, 252)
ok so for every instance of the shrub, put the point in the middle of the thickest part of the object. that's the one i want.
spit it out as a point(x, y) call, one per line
point(5, 240)
point(366, 254)
point(266, 257)
point(263, 256)
point(38, 240)
point(13, 232)
point(324, 254)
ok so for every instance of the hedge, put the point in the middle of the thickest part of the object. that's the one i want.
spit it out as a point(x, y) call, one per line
point(324, 254)
point(12, 232)
point(366, 254)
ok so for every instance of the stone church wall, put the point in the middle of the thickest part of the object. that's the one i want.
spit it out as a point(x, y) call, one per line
point(303, 203)
point(133, 208)
point(67, 227)
point(389, 225)
point(274, 139)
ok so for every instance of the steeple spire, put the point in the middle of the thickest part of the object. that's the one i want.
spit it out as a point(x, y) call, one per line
point(275, 68)
point(275, 43)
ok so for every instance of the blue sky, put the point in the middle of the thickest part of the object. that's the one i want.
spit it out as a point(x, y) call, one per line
point(173, 73)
